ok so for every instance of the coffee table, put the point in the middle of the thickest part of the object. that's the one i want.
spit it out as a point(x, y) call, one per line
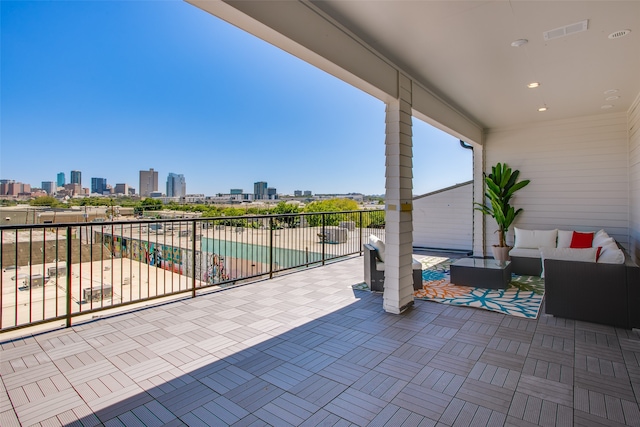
point(481, 273)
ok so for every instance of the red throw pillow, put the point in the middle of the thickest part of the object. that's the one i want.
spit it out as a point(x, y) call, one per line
point(581, 240)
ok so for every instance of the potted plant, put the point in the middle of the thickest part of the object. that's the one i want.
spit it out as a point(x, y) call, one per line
point(501, 185)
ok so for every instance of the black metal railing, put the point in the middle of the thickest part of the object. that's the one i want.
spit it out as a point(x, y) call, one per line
point(56, 272)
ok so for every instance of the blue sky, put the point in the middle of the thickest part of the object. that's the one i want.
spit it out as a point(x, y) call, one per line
point(114, 87)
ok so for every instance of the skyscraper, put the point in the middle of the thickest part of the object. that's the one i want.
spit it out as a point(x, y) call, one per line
point(148, 182)
point(260, 190)
point(49, 187)
point(76, 177)
point(98, 185)
point(60, 182)
point(176, 185)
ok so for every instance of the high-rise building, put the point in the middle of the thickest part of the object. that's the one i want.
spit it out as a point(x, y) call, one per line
point(260, 190)
point(148, 182)
point(60, 179)
point(122, 189)
point(176, 185)
point(4, 187)
point(49, 187)
point(98, 185)
point(297, 193)
point(307, 193)
point(76, 177)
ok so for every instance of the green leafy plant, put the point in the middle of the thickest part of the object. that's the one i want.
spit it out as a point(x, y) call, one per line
point(501, 185)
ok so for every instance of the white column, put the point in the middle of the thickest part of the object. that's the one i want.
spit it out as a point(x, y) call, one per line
point(398, 282)
point(479, 219)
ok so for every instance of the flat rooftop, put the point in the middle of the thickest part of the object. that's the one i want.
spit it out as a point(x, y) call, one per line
point(307, 349)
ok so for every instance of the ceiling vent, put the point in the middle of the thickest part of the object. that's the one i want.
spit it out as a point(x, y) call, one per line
point(618, 34)
point(567, 30)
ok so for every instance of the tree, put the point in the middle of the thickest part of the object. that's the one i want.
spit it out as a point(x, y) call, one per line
point(331, 205)
point(44, 201)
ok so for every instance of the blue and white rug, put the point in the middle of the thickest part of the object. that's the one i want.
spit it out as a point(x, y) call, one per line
point(522, 298)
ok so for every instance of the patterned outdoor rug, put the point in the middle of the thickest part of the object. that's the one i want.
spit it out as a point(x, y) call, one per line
point(522, 298)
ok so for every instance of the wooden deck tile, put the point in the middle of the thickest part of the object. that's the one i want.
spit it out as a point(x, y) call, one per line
point(546, 389)
point(356, 406)
point(318, 353)
point(485, 394)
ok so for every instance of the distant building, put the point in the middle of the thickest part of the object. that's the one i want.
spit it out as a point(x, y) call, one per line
point(308, 193)
point(76, 177)
point(98, 185)
point(194, 198)
point(50, 187)
point(4, 186)
point(148, 182)
point(230, 198)
point(156, 194)
point(297, 193)
point(60, 179)
point(260, 190)
point(272, 193)
point(122, 189)
point(235, 191)
point(176, 185)
point(74, 189)
point(9, 187)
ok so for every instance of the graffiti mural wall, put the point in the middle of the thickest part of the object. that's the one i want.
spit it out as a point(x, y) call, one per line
point(158, 255)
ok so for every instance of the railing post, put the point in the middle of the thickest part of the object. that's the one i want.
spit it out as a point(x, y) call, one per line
point(69, 276)
point(361, 227)
point(193, 259)
point(270, 247)
point(324, 238)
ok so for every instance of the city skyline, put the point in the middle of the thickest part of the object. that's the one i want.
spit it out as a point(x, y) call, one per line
point(104, 87)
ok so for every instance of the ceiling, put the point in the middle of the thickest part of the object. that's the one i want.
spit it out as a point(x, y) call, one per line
point(461, 51)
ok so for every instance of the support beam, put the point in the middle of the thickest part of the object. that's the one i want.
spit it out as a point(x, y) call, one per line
point(398, 282)
point(479, 219)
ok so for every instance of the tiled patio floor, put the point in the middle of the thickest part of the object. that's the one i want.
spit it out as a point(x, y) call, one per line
point(306, 349)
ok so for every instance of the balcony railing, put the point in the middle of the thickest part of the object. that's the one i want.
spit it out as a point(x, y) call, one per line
point(53, 272)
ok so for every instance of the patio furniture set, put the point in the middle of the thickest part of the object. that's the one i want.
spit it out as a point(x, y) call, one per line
point(588, 276)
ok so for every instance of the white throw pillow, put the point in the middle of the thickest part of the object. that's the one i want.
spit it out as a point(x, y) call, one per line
point(568, 254)
point(534, 239)
point(600, 238)
point(607, 243)
point(611, 254)
point(564, 238)
point(379, 245)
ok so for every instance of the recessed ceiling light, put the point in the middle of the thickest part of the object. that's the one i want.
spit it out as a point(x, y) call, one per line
point(612, 98)
point(610, 91)
point(542, 109)
point(618, 34)
point(519, 42)
point(533, 85)
point(606, 106)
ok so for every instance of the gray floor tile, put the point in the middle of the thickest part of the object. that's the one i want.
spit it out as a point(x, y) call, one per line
point(305, 349)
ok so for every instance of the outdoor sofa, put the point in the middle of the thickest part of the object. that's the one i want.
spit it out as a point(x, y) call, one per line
point(374, 253)
point(598, 282)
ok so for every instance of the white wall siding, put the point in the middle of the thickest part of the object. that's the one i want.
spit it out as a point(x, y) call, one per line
point(579, 172)
point(634, 179)
point(444, 219)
